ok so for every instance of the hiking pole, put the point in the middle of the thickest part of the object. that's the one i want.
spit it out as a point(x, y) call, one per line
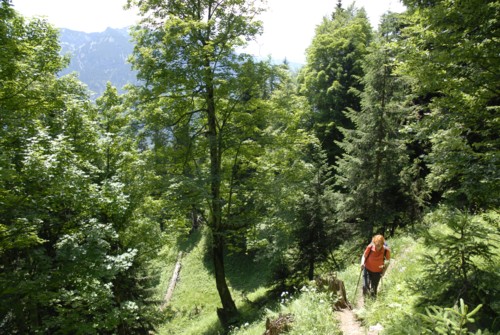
point(356, 290)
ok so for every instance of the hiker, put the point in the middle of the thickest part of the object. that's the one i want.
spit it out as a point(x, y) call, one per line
point(373, 264)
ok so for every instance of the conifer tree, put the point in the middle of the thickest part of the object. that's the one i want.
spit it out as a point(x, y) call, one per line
point(332, 73)
point(372, 194)
point(461, 251)
point(314, 230)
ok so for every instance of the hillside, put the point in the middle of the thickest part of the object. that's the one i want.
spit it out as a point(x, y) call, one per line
point(257, 186)
point(193, 307)
point(397, 309)
point(102, 57)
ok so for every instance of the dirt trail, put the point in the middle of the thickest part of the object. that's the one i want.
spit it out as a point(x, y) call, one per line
point(350, 325)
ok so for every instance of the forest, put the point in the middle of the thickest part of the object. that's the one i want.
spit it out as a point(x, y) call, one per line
point(253, 182)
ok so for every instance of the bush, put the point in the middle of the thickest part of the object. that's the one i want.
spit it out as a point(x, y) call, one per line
point(449, 321)
point(461, 262)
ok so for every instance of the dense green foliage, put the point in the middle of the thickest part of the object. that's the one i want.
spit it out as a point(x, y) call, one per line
point(378, 189)
point(450, 51)
point(261, 177)
point(331, 77)
point(71, 248)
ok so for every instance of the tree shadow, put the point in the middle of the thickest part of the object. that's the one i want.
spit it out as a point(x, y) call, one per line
point(249, 312)
point(244, 275)
point(187, 242)
point(243, 272)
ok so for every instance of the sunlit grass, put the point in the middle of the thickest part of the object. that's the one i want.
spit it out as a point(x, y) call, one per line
point(311, 312)
point(192, 309)
point(195, 301)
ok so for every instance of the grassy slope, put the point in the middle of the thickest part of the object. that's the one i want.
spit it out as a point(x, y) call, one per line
point(195, 300)
point(192, 309)
point(193, 305)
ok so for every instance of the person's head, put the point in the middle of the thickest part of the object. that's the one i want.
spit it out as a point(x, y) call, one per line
point(378, 241)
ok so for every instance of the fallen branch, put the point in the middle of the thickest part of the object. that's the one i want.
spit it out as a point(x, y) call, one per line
point(173, 281)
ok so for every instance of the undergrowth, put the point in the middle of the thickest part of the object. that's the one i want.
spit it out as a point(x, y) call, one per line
point(311, 312)
point(399, 308)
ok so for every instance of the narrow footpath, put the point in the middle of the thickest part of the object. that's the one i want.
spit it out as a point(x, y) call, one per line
point(350, 325)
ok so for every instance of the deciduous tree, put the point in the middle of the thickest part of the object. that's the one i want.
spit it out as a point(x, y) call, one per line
point(64, 255)
point(185, 55)
point(450, 49)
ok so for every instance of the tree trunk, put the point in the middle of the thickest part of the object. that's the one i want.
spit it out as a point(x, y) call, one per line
point(310, 274)
point(173, 282)
point(228, 313)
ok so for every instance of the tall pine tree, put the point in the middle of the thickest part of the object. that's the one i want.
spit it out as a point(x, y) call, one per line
point(333, 71)
point(372, 195)
point(314, 229)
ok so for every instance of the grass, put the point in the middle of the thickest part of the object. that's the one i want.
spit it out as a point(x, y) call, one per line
point(192, 309)
point(311, 311)
point(195, 300)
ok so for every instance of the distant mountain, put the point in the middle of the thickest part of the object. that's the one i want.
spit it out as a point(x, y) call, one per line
point(293, 66)
point(102, 57)
point(99, 57)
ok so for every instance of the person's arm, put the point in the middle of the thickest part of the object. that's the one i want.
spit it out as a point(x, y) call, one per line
point(363, 258)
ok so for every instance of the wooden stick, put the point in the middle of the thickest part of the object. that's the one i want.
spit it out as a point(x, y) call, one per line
point(173, 281)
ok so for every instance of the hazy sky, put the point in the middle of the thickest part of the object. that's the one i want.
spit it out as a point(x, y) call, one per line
point(288, 24)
